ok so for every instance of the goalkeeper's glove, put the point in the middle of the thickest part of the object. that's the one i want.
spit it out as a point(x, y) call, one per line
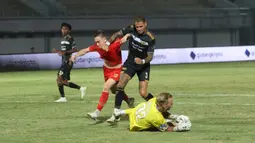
point(182, 127)
point(183, 123)
point(182, 119)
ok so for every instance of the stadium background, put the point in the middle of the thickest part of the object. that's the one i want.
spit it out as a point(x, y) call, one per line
point(33, 25)
point(218, 97)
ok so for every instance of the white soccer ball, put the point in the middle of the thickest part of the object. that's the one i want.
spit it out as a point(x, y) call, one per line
point(182, 119)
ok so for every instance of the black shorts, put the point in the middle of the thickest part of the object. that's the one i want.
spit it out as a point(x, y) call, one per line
point(65, 71)
point(142, 71)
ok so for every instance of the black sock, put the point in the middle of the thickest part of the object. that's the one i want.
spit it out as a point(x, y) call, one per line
point(61, 90)
point(118, 98)
point(73, 85)
point(125, 97)
point(148, 97)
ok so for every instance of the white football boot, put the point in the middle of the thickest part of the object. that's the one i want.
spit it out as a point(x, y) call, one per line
point(92, 115)
point(61, 99)
point(115, 117)
point(83, 91)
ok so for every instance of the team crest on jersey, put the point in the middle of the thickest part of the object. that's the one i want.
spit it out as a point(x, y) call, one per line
point(115, 75)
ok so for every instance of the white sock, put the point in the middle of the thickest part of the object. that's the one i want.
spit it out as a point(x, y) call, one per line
point(122, 112)
point(97, 112)
point(115, 109)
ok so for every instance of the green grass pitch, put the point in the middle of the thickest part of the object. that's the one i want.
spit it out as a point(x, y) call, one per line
point(219, 98)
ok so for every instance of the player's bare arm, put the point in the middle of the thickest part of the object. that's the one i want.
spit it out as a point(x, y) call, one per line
point(115, 36)
point(149, 57)
point(170, 129)
point(146, 60)
point(80, 53)
point(54, 50)
point(73, 50)
point(125, 38)
point(58, 51)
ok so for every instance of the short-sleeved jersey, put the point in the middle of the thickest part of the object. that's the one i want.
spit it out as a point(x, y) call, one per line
point(146, 116)
point(67, 43)
point(112, 57)
point(139, 44)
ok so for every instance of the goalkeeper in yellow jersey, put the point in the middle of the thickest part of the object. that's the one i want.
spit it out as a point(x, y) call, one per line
point(149, 115)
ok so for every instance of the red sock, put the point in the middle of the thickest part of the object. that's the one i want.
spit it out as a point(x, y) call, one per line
point(125, 97)
point(102, 100)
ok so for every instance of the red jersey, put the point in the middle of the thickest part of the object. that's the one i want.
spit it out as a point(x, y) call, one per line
point(112, 57)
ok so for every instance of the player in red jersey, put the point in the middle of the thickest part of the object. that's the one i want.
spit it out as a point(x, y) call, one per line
point(111, 53)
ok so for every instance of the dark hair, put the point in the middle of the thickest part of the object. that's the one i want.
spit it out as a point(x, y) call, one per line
point(99, 33)
point(140, 19)
point(64, 24)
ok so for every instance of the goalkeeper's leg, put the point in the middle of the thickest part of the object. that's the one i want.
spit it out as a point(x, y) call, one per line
point(122, 112)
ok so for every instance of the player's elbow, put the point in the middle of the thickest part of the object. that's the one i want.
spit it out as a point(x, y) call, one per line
point(149, 58)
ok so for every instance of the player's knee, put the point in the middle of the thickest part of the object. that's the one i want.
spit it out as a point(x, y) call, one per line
point(120, 85)
point(106, 88)
point(65, 82)
point(59, 83)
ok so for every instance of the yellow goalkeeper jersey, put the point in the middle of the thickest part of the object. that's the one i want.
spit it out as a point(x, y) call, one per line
point(145, 116)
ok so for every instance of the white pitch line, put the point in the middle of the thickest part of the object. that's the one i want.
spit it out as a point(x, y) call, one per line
point(137, 95)
point(199, 103)
point(182, 94)
point(215, 94)
point(176, 94)
point(224, 103)
point(180, 103)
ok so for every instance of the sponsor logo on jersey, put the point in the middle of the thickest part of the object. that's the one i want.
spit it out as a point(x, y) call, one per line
point(139, 40)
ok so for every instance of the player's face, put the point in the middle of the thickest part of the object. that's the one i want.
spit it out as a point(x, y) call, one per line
point(168, 105)
point(140, 27)
point(65, 30)
point(100, 41)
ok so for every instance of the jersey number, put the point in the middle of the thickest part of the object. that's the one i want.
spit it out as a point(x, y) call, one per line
point(141, 112)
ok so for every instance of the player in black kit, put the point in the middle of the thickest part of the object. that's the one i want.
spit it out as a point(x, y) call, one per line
point(68, 47)
point(141, 50)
